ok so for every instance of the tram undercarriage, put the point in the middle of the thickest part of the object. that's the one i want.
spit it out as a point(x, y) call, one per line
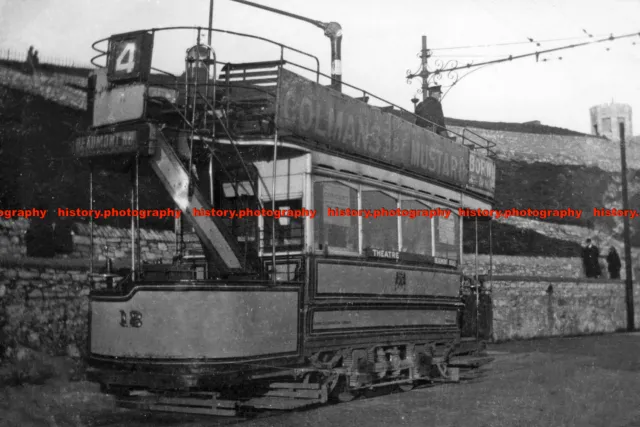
point(337, 375)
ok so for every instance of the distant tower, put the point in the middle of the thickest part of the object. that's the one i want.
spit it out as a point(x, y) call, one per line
point(605, 119)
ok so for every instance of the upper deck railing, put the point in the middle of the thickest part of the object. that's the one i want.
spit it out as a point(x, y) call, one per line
point(476, 142)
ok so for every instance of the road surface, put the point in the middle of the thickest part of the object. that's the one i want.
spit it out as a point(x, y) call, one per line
point(584, 382)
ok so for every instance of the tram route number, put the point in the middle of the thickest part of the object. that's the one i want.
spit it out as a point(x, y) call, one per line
point(134, 319)
point(129, 56)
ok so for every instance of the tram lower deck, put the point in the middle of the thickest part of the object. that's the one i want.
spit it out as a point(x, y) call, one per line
point(191, 333)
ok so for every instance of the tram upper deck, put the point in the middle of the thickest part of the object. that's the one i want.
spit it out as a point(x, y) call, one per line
point(277, 131)
point(220, 100)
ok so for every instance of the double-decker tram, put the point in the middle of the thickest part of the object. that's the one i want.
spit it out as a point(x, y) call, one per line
point(262, 310)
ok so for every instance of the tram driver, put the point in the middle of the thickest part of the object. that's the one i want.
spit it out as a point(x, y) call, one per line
point(431, 110)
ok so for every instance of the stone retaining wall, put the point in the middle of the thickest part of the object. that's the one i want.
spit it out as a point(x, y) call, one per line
point(528, 307)
point(115, 243)
point(155, 245)
point(43, 305)
point(12, 237)
point(54, 87)
point(557, 149)
point(523, 266)
point(535, 266)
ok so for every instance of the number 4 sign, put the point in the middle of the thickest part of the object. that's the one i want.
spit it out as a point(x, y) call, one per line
point(129, 57)
point(126, 60)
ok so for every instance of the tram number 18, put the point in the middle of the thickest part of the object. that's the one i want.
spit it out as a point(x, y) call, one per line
point(134, 319)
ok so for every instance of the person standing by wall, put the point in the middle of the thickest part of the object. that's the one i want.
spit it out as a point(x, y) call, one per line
point(613, 263)
point(29, 66)
point(590, 260)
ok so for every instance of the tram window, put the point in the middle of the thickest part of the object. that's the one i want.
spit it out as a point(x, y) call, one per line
point(416, 232)
point(381, 232)
point(334, 231)
point(447, 237)
point(289, 233)
point(244, 229)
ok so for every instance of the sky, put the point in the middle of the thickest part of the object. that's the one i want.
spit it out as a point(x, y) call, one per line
point(381, 41)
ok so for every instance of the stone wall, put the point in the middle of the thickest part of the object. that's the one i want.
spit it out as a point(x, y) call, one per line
point(156, 246)
point(115, 243)
point(529, 307)
point(523, 266)
point(558, 149)
point(531, 266)
point(43, 301)
point(43, 305)
point(12, 237)
point(51, 86)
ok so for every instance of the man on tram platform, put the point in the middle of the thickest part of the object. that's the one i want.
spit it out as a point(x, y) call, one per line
point(431, 110)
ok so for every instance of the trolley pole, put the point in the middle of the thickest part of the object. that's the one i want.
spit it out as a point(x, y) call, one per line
point(210, 22)
point(627, 239)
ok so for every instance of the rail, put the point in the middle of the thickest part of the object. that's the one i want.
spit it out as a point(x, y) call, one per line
point(235, 33)
point(472, 143)
point(489, 146)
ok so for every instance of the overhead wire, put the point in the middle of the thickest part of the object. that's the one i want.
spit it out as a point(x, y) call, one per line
point(514, 43)
point(539, 52)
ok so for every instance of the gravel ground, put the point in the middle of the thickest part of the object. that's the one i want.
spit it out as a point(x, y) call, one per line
point(582, 382)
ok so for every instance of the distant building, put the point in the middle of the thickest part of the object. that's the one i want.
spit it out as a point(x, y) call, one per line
point(606, 119)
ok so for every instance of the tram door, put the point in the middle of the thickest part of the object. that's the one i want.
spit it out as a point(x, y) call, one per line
point(476, 316)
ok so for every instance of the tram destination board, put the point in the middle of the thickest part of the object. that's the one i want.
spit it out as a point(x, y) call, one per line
point(337, 121)
point(124, 141)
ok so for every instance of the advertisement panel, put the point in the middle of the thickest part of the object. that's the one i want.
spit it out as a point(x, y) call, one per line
point(482, 174)
point(335, 120)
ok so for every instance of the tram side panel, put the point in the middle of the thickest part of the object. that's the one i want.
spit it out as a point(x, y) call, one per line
point(173, 323)
point(361, 303)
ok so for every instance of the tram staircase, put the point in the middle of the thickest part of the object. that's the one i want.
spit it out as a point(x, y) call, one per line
point(247, 89)
point(220, 246)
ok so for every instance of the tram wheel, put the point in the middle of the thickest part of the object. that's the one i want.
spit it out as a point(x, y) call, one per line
point(346, 396)
point(341, 392)
point(407, 387)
